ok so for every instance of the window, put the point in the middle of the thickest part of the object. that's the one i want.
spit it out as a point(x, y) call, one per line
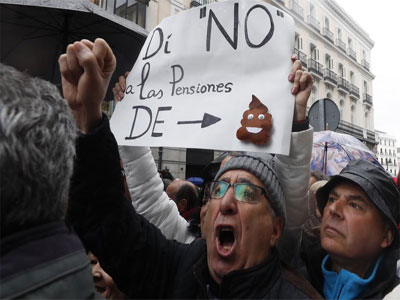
point(339, 33)
point(365, 87)
point(352, 114)
point(342, 72)
point(328, 61)
point(350, 42)
point(366, 120)
point(314, 52)
point(132, 10)
point(352, 77)
point(313, 95)
point(312, 10)
point(341, 107)
point(298, 42)
point(326, 23)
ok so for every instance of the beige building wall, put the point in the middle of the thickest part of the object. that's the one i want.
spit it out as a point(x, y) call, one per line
point(160, 9)
point(340, 54)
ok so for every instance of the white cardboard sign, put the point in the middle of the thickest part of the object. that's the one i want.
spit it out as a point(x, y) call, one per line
point(196, 76)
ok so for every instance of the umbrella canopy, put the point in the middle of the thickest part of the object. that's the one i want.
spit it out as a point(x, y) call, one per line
point(332, 151)
point(34, 33)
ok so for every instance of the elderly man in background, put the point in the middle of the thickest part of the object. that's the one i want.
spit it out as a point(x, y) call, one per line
point(359, 236)
point(242, 226)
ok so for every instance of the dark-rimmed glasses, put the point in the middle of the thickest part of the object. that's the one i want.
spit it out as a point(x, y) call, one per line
point(244, 192)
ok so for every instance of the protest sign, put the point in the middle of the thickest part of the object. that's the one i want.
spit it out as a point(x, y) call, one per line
point(212, 77)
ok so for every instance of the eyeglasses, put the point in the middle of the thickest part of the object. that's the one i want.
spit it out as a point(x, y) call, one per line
point(244, 192)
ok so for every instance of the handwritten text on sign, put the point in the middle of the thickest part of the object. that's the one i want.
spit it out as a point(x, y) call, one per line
point(199, 70)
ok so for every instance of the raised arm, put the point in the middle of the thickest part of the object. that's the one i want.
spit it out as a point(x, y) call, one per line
point(146, 188)
point(148, 196)
point(294, 170)
point(131, 250)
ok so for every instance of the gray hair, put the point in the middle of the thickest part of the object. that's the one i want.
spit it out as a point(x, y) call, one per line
point(37, 148)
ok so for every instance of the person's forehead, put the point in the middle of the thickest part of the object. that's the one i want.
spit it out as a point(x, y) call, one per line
point(234, 176)
point(350, 189)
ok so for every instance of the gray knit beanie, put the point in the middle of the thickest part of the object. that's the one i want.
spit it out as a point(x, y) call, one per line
point(260, 165)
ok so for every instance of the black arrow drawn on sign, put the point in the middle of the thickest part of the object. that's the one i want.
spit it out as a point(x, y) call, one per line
point(207, 121)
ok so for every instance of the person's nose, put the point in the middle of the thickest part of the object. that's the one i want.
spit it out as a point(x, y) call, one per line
point(336, 209)
point(228, 203)
point(96, 271)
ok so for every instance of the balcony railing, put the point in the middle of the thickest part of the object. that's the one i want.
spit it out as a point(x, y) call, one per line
point(195, 3)
point(354, 92)
point(313, 22)
point(301, 56)
point(367, 99)
point(356, 131)
point(365, 64)
point(296, 8)
point(315, 67)
point(343, 85)
point(341, 44)
point(353, 54)
point(330, 76)
point(281, 2)
point(328, 34)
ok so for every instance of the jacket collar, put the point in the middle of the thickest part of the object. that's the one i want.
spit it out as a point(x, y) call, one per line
point(345, 284)
point(253, 282)
point(385, 278)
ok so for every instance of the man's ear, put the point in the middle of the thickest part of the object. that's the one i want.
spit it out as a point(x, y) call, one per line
point(276, 231)
point(182, 206)
point(388, 237)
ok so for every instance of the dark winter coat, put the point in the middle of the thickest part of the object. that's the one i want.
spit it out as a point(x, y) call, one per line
point(45, 262)
point(142, 262)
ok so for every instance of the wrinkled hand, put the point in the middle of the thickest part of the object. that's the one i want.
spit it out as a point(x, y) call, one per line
point(302, 85)
point(86, 69)
point(120, 87)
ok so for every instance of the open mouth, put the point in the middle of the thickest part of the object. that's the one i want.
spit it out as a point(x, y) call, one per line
point(225, 240)
point(253, 129)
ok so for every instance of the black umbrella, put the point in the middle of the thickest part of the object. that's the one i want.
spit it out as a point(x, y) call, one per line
point(33, 34)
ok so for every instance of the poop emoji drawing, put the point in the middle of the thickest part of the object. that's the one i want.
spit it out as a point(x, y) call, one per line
point(256, 123)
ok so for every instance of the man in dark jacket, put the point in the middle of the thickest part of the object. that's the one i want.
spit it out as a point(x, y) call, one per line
point(243, 223)
point(359, 236)
point(40, 257)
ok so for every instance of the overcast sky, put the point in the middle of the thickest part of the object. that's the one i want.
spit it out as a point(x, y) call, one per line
point(381, 20)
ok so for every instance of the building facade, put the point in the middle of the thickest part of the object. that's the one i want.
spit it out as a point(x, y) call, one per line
point(132, 10)
point(398, 160)
point(337, 52)
point(387, 153)
point(330, 45)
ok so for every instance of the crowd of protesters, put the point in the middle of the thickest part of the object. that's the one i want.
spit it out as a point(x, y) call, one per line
point(72, 226)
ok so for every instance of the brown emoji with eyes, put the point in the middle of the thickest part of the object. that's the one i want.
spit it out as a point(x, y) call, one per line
point(256, 123)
